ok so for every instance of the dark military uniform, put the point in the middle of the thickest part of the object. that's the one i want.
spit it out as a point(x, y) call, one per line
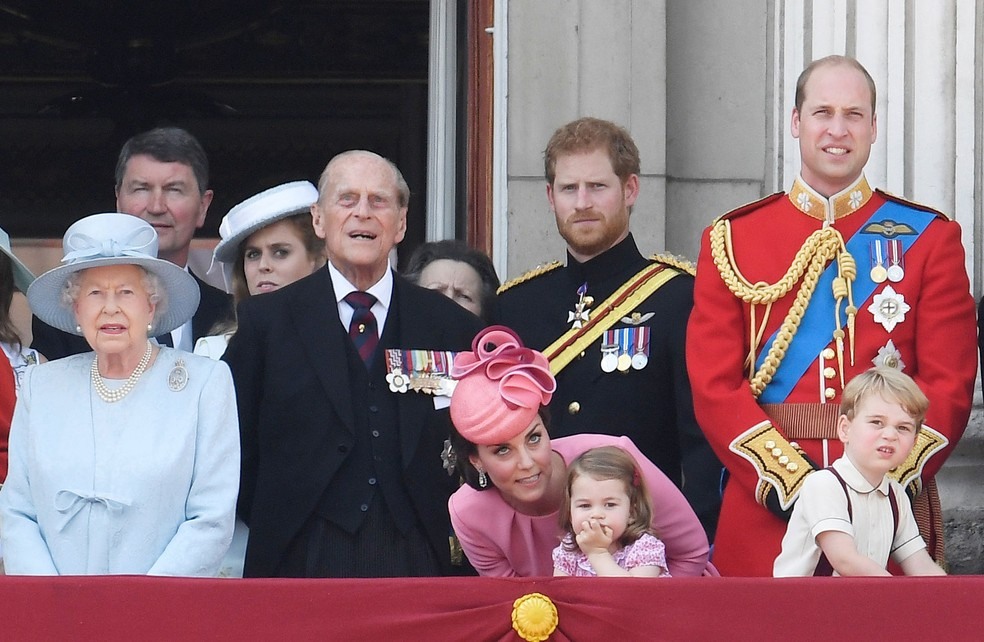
point(651, 405)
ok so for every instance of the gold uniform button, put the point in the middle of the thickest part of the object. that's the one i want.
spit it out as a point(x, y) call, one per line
point(829, 393)
point(574, 408)
point(792, 467)
point(829, 373)
point(770, 444)
point(776, 452)
point(828, 353)
point(783, 460)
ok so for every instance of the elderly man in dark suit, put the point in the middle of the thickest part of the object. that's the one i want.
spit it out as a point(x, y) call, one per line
point(342, 472)
point(162, 178)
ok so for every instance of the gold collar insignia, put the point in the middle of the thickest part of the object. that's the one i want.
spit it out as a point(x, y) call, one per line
point(808, 201)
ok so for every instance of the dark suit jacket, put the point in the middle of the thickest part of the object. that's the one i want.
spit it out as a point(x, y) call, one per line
point(214, 306)
point(296, 415)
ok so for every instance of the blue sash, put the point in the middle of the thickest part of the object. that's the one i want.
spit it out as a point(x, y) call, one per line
point(817, 326)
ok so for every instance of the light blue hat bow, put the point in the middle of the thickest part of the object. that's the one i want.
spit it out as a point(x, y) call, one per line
point(141, 242)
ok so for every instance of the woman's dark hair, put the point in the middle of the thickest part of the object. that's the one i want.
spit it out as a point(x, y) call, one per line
point(8, 333)
point(464, 449)
point(455, 250)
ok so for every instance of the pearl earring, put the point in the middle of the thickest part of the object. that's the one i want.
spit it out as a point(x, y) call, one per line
point(78, 328)
point(149, 328)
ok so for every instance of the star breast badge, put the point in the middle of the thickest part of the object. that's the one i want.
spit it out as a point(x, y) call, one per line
point(889, 357)
point(889, 308)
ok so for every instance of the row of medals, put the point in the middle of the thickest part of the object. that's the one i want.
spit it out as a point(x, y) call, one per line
point(625, 348)
point(886, 252)
point(622, 348)
point(426, 371)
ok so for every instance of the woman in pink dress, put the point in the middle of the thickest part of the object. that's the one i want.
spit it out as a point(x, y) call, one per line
point(506, 514)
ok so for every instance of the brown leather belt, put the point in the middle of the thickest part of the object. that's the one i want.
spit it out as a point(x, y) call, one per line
point(804, 420)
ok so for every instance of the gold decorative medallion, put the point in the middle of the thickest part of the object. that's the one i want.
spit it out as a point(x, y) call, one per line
point(534, 617)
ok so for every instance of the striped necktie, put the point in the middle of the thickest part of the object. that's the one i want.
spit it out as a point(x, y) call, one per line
point(363, 330)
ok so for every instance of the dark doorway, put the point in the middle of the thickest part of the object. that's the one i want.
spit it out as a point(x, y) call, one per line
point(272, 88)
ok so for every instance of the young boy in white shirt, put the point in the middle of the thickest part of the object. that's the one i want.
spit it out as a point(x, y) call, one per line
point(850, 518)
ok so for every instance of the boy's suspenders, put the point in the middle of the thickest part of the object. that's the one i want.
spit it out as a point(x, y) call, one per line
point(824, 569)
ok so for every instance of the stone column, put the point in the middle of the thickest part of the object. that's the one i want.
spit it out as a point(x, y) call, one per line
point(925, 61)
point(573, 58)
point(923, 58)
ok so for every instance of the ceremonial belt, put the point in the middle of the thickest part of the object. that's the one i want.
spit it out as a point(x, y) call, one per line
point(804, 420)
point(625, 299)
point(815, 330)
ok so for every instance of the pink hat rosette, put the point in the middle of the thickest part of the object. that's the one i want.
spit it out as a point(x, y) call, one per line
point(501, 386)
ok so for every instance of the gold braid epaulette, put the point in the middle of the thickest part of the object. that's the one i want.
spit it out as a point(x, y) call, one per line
point(677, 262)
point(532, 274)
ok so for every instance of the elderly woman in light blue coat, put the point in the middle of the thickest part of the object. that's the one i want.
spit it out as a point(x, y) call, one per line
point(124, 459)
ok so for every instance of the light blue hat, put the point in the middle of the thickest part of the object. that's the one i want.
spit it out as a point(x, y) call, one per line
point(22, 276)
point(113, 239)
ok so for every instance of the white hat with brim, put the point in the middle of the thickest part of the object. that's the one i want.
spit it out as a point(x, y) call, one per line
point(22, 276)
point(113, 239)
point(255, 213)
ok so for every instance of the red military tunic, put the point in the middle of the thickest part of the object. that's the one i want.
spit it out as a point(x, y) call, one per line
point(933, 342)
point(7, 399)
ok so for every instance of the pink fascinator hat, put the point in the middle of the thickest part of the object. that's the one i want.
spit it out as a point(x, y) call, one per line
point(501, 386)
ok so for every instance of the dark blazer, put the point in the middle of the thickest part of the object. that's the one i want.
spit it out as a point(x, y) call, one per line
point(296, 415)
point(214, 306)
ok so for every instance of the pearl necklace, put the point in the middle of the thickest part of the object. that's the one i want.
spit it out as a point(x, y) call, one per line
point(112, 396)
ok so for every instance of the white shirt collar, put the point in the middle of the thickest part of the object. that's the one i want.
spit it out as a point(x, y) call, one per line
point(381, 289)
point(853, 477)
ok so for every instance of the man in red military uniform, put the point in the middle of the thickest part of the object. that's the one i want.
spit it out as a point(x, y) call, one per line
point(798, 293)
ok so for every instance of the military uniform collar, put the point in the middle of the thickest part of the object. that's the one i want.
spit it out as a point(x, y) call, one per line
point(608, 264)
point(811, 203)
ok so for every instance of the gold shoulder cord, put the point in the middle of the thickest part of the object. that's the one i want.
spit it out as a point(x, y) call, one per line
point(531, 274)
point(809, 263)
point(675, 262)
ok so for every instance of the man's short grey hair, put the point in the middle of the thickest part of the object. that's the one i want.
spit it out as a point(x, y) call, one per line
point(402, 189)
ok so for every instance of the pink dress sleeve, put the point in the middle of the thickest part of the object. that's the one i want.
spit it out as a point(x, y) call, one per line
point(565, 560)
point(484, 553)
point(646, 551)
point(674, 521)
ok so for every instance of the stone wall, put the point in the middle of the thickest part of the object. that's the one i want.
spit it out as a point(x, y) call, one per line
point(962, 497)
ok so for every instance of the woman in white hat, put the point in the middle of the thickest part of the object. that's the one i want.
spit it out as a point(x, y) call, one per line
point(268, 241)
point(124, 459)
